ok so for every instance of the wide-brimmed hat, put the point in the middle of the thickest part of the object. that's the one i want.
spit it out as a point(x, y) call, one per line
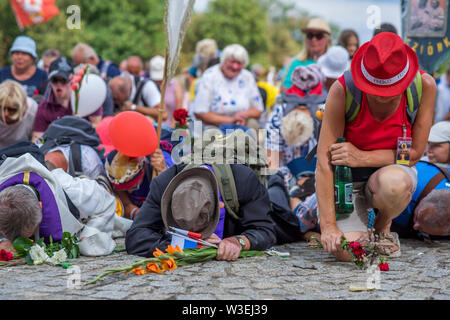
point(24, 44)
point(440, 132)
point(384, 66)
point(334, 62)
point(191, 202)
point(122, 171)
point(317, 24)
point(61, 67)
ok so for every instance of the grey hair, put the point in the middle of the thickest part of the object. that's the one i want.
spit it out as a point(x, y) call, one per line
point(440, 201)
point(19, 211)
point(87, 51)
point(236, 51)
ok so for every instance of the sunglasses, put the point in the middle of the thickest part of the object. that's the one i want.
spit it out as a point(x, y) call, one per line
point(60, 80)
point(319, 36)
point(11, 110)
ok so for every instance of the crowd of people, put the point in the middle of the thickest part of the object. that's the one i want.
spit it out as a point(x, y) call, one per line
point(108, 174)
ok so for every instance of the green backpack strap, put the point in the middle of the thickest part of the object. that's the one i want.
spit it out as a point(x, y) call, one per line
point(414, 96)
point(353, 98)
point(227, 188)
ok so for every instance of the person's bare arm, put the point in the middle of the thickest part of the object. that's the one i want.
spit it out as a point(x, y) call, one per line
point(215, 118)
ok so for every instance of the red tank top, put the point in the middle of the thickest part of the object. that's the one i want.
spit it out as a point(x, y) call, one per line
point(367, 133)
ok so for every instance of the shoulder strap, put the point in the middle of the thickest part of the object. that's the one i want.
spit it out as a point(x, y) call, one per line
point(138, 94)
point(75, 168)
point(227, 188)
point(353, 97)
point(414, 96)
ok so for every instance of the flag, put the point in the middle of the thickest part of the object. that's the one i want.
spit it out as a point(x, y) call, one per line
point(177, 18)
point(427, 31)
point(30, 12)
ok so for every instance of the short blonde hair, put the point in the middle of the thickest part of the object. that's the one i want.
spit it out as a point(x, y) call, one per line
point(13, 95)
point(297, 128)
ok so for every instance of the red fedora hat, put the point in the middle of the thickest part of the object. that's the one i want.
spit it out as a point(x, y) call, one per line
point(384, 66)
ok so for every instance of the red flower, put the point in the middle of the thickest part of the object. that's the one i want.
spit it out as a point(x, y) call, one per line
point(180, 115)
point(6, 255)
point(383, 266)
point(355, 245)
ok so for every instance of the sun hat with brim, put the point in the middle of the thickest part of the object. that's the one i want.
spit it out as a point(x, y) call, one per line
point(317, 24)
point(440, 132)
point(384, 66)
point(334, 62)
point(124, 172)
point(24, 44)
point(191, 202)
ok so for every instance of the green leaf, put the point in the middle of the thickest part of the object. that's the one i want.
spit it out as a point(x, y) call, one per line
point(28, 260)
point(22, 245)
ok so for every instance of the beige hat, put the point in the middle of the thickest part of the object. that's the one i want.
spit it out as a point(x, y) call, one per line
point(191, 202)
point(317, 24)
point(440, 132)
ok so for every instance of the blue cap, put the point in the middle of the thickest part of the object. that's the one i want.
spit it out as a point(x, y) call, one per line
point(24, 44)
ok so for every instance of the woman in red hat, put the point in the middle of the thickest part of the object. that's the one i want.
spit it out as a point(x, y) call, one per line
point(381, 72)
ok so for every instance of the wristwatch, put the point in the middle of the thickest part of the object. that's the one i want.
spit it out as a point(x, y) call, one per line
point(241, 242)
point(133, 107)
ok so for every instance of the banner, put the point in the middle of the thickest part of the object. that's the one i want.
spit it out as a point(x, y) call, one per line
point(178, 16)
point(427, 31)
point(30, 12)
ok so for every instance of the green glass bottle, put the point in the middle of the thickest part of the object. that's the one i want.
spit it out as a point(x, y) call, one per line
point(343, 190)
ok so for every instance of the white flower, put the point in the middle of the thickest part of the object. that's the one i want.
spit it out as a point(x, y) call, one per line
point(38, 254)
point(58, 257)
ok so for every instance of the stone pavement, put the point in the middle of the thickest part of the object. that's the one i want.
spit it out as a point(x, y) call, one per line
point(422, 272)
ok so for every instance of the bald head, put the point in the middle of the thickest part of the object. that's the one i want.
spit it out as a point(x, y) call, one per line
point(134, 65)
point(121, 89)
point(432, 214)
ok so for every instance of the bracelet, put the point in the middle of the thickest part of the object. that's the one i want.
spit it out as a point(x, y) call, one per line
point(133, 107)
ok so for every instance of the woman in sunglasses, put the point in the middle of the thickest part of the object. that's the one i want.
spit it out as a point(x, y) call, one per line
point(317, 35)
point(17, 113)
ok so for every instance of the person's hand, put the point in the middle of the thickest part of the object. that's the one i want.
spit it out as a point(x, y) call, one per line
point(126, 106)
point(7, 246)
point(131, 211)
point(229, 249)
point(331, 238)
point(213, 239)
point(240, 118)
point(157, 161)
point(344, 154)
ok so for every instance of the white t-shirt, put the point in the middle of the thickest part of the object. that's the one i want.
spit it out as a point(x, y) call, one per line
point(19, 131)
point(150, 93)
point(215, 93)
point(91, 165)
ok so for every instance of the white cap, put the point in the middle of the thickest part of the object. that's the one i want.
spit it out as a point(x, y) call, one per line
point(440, 132)
point(334, 62)
point(157, 68)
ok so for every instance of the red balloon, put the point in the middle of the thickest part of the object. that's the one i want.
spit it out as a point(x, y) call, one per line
point(103, 132)
point(133, 134)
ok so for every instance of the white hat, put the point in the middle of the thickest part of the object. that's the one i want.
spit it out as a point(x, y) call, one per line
point(334, 62)
point(157, 68)
point(440, 132)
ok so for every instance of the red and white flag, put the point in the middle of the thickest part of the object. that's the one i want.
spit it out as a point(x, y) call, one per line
point(30, 12)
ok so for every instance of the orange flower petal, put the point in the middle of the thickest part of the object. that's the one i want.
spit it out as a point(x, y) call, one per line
point(157, 253)
point(169, 264)
point(154, 267)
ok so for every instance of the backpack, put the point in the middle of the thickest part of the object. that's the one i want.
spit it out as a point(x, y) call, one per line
point(72, 131)
point(354, 98)
point(214, 154)
point(19, 149)
point(139, 87)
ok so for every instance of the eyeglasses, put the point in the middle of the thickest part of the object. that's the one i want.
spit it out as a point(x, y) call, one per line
point(60, 80)
point(11, 110)
point(319, 36)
